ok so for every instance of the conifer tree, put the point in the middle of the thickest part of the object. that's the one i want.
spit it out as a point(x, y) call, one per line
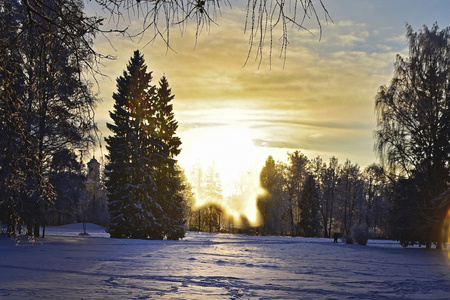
point(130, 183)
point(309, 205)
point(143, 177)
point(169, 185)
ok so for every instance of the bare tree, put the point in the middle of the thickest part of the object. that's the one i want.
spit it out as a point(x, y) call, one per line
point(328, 182)
point(46, 106)
point(264, 17)
point(413, 120)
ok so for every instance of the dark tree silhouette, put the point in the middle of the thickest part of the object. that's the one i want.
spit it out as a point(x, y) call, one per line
point(414, 131)
point(328, 193)
point(310, 222)
point(271, 204)
point(169, 184)
point(143, 180)
point(134, 211)
point(350, 189)
point(378, 200)
point(46, 105)
point(294, 177)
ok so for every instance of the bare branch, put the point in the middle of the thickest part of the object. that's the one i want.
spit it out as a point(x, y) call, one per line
point(264, 19)
point(279, 13)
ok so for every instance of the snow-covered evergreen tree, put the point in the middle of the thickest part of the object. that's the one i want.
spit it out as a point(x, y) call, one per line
point(142, 177)
point(129, 171)
point(169, 183)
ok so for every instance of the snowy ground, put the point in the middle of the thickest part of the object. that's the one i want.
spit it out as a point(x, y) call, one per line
point(65, 265)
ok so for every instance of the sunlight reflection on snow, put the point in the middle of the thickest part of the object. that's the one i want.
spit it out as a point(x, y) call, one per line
point(217, 266)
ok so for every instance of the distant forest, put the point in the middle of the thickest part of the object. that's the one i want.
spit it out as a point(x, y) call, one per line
point(47, 126)
point(304, 197)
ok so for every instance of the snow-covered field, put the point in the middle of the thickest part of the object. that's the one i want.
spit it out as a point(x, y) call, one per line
point(65, 265)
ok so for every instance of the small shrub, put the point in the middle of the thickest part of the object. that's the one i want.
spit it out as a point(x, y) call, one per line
point(346, 238)
point(360, 234)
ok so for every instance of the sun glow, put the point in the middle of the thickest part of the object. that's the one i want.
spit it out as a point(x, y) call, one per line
point(445, 232)
point(235, 158)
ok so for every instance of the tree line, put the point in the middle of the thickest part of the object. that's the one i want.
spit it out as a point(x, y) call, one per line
point(312, 198)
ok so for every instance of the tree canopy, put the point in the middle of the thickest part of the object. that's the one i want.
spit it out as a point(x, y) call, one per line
point(46, 108)
point(413, 115)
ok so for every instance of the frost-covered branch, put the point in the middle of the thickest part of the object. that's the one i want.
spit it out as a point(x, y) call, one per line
point(264, 19)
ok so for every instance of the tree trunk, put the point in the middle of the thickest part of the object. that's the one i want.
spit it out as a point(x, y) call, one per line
point(291, 213)
point(36, 229)
point(325, 226)
point(29, 229)
point(11, 230)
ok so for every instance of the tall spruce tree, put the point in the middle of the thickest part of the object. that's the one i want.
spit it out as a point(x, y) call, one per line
point(129, 171)
point(142, 176)
point(169, 185)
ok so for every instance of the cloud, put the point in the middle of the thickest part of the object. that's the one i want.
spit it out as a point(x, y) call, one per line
point(317, 102)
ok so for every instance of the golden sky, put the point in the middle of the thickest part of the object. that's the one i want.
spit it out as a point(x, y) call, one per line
point(321, 102)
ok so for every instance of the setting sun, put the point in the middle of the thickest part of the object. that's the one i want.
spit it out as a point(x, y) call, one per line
point(234, 157)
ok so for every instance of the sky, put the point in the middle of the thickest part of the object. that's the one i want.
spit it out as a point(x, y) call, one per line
point(319, 100)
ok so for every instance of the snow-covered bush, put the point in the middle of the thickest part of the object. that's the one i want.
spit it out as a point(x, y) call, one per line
point(360, 234)
point(347, 238)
